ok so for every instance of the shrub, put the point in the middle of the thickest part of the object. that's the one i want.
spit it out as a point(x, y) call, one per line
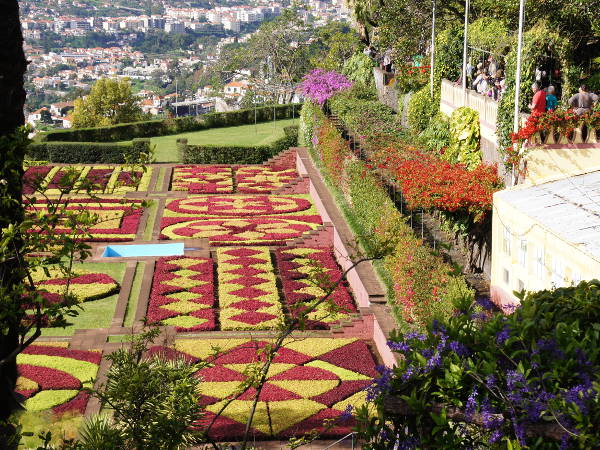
point(359, 68)
point(531, 377)
point(151, 128)
point(421, 108)
point(231, 154)
point(437, 134)
point(88, 152)
point(464, 138)
point(308, 123)
point(421, 281)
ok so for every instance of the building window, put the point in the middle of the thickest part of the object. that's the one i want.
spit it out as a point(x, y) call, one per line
point(523, 252)
point(558, 272)
point(539, 263)
point(506, 241)
point(520, 285)
point(506, 276)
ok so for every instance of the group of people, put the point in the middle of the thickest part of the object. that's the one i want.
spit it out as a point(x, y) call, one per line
point(545, 100)
point(487, 78)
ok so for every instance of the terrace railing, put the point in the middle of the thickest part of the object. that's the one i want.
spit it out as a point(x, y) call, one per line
point(580, 135)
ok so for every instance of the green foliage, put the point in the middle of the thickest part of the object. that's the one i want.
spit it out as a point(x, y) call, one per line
point(421, 108)
point(88, 152)
point(361, 112)
point(109, 102)
point(336, 43)
point(491, 34)
point(421, 284)
point(448, 54)
point(308, 122)
point(150, 128)
point(154, 401)
point(215, 154)
point(464, 138)
point(437, 134)
point(359, 68)
point(535, 372)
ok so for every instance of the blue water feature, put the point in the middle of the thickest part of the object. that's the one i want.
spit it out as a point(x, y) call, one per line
point(131, 251)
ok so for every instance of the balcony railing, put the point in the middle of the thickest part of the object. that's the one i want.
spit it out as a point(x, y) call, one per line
point(580, 135)
point(455, 96)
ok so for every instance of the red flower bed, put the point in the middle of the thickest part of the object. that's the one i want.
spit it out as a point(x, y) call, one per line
point(33, 176)
point(202, 179)
point(313, 379)
point(429, 182)
point(82, 355)
point(298, 289)
point(99, 177)
point(183, 294)
point(48, 378)
point(129, 218)
point(238, 206)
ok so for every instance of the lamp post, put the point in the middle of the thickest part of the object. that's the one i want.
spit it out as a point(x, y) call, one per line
point(518, 72)
point(516, 121)
point(466, 33)
point(432, 62)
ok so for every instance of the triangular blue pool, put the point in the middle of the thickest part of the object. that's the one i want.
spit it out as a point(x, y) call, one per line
point(132, 251)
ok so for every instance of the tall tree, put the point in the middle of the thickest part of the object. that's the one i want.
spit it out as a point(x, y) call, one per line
point(109, 102)
point(12, 99)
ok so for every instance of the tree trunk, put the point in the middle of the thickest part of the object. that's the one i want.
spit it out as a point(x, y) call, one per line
point(12, 98)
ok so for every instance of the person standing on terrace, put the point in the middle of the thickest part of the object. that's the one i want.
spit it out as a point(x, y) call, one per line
point(551, 100)
point(584, 101)
point(538, 104)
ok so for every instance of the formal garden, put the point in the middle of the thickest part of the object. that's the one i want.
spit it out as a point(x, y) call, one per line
point(255, 238)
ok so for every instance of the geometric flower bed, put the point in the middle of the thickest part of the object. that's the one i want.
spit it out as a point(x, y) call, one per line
point(202, 179)
point(240, 219)
point(52, 377)
point(107, 179)
point(252, 179)
point(248, 296)
point(183, 294)
point(117, 222)
point(310, 380)
point(295, 268)
point(84, 285)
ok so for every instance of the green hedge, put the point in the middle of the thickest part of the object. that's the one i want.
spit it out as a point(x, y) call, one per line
point(217, 154)
point(87, 152)
point(151, 128)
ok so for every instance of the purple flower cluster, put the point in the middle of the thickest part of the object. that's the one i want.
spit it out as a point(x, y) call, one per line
point(381, 384)
point(319, 85)
point(503, 336)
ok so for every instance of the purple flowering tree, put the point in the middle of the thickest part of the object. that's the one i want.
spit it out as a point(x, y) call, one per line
point(484, 379)
point(320, 85)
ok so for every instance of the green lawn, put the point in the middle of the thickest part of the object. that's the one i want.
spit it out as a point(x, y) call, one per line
point(260, 134)
point(96, 313)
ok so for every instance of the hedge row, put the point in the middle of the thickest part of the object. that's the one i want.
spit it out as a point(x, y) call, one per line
point(218, 154)
point(150, 128)
point(87, 152)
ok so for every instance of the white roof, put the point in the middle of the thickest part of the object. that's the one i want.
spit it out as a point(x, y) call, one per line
point(569, 208)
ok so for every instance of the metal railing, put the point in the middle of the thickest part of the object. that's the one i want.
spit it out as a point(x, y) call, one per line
point(351, 435)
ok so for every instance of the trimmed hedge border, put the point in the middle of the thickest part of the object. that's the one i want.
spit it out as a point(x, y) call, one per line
point(151, 128)
point(217, 154)
point(87, 152)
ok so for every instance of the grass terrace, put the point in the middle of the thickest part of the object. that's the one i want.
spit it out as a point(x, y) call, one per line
point(264, 133)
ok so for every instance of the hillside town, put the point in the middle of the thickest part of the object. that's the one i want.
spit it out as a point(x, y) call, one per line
point(62, 73)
